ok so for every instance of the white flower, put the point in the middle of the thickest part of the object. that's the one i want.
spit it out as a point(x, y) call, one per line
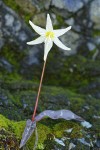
point(48, 36)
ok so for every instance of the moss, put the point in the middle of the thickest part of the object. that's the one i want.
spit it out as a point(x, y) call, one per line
point(20, 96)
point(60, 22)
point(12, 4)
point(73, 71)
point(46, 134)
point(60, 19)
point(60, 129)
point(16, 128)
point(12, 55)
point(96, 33)
point(21, 92)
point(13, 77)
point(4, 122)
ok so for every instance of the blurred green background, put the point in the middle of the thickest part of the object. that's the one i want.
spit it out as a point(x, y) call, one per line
point(72, 79)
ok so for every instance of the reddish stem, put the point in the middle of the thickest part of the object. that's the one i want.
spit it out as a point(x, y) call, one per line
point(39, 90)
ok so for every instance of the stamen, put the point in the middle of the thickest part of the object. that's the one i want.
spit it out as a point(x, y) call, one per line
point(49, 34)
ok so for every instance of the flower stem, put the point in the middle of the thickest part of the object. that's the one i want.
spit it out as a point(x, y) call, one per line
point(39, 90)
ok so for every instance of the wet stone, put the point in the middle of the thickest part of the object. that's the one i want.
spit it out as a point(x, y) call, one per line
point(5, 64)
point(94, 13)
point(70, 5)
point(9, 20)
point(98, 143)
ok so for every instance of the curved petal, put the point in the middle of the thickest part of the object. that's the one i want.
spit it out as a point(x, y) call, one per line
point(49, 23)
point(60, 44)
point(38, 29)
point(48, 45)
point(61, 31)
point(37, 41)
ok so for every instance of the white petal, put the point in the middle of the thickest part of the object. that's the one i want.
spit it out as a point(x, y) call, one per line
point(37, 41)
point(49, 23)
point(38, 29)
point(60, 44)
point(61, 31)
point(48, 45)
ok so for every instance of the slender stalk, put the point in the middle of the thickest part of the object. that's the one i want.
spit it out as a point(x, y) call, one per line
point(39, 90)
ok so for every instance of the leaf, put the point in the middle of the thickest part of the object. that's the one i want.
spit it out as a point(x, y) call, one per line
point(31, 125)
point(64, 114)
point(29, 129)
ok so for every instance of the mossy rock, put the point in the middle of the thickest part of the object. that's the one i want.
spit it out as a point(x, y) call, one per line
point(11, 132)
point(74, 72)
point(24, 9)
point(19, 97)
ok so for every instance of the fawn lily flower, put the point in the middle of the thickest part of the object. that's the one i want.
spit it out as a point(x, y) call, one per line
point(48, 36)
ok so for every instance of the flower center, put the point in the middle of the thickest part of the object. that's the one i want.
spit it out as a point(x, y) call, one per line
point(49, 34)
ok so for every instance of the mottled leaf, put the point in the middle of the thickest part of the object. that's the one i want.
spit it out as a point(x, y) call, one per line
point(64, 114)
point(31, 125)
point(29, 129)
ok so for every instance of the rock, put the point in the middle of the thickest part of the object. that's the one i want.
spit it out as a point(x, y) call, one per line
point(91, 46)
point(70, 5)
point(73, 6)
point(96, 117)
point(11, 138)
point(21, 65)
point(97, 39)
point(15, 31)
point(47, 4)
point(24, 95)
point(86, 124)
point(20, 34)
point(17, 25)
point(70, 39)
point(27, 6)
point(94, 13)
point(5, 64)
point(42, 4)
point(40, 19)
point(71, 146)
point(1, 42)
point(70, 21)
point(9, 20)
point(59, 4)
point(93, 89)
point(98, 143)
point(51, 134)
